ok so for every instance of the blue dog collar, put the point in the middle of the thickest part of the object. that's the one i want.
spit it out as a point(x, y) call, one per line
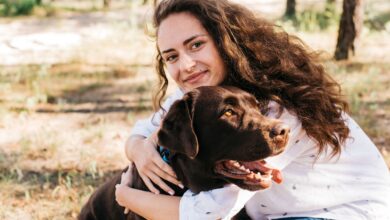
point(164, 153)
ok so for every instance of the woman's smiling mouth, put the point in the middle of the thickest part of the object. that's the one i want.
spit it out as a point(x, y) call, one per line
point(195, 77)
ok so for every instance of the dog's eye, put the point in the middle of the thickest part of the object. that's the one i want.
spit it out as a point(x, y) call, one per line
point(228, 113)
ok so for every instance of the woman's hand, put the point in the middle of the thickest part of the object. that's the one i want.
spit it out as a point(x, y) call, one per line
point(144, 203)
point(151, 167)
point(121, 194)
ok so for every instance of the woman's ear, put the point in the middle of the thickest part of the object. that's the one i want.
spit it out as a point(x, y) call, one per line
point(177, 133)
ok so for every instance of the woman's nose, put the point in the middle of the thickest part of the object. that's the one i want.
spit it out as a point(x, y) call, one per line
point(187, 63)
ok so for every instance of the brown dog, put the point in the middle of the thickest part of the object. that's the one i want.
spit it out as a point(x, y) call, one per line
point(216, 136)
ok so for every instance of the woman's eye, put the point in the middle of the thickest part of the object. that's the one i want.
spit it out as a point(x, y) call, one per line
point(170, 58)
point(197, 45)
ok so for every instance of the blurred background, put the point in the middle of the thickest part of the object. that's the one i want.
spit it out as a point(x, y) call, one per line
point(76, 75)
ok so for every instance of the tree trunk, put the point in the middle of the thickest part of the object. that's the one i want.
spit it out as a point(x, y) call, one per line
point(146, 1)
point(290, 9)
point(106, 3)
point(351, 23)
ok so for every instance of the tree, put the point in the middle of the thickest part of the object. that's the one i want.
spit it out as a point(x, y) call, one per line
point(106, 3)
point(154, 2)
point(351, 23)
point(290, 9)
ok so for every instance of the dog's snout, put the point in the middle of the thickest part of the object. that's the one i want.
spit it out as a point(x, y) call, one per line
point(279, 133)
point(279, 130)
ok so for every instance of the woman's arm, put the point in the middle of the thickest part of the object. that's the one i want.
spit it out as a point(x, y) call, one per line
point(144, 203)
point(140, 148)
point(150, 166)
point(222, 203)
point(147, 204)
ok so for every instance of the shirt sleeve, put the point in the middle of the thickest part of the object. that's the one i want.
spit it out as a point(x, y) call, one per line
point(222, 203)
point(147, 126)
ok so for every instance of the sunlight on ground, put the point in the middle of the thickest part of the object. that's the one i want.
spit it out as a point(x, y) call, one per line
point(72, 86)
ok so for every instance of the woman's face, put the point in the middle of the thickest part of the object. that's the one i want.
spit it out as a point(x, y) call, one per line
point(189, 52)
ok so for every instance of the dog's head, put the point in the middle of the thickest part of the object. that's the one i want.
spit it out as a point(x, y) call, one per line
point(223, 129)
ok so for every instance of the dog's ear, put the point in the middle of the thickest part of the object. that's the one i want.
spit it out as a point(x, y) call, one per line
point(177, 132)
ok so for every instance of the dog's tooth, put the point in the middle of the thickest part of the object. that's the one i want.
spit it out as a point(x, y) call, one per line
point(236, 164)
point(258, 176)
point(245, 170)
point(230, 163)
point(267, 177)
point(240, 172)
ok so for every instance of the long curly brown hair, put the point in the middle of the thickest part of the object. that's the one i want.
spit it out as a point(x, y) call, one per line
point(269, 63)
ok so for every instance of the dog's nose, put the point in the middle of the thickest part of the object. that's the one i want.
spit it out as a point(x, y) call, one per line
point(280, 130)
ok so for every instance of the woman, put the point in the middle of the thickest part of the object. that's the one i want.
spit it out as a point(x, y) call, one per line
point(331, 169)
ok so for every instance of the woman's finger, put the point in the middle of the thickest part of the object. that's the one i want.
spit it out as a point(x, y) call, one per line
point(118, 200)
point(159, 172)
point(125, 179)
point(149, 184)
point(158, 181)
point(126, 176)
point(164, 166)
point(122, 179)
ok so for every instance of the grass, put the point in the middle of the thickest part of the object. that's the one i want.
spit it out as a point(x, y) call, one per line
point(38, 190)
point(49, 166)
point(69, 139)
point(63, 126)
point(31, 86)
point(14, 8)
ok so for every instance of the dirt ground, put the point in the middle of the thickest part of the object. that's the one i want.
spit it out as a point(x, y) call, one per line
point(73, 85)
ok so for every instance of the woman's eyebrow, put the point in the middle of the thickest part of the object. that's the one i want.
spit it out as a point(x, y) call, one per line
point(191, 38)
point(184, 42)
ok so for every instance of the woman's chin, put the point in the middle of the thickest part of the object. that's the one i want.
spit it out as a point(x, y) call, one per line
point(190, 87)
point(193, 86)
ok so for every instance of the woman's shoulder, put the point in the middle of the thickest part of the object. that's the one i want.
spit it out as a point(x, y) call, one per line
point(277, 111)
point(173, 96)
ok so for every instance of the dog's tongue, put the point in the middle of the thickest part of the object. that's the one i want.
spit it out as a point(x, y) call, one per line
point(262, 166)
point(277, 176)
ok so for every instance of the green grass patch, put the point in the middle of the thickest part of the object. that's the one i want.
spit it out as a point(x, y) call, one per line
point(366, 88)
point(17, 7)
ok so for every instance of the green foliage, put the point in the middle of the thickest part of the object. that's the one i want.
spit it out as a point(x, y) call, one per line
point(313, 20)
point(17, 7)
point(377, 21)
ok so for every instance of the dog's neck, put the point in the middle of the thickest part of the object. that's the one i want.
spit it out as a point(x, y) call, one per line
point(193, 178)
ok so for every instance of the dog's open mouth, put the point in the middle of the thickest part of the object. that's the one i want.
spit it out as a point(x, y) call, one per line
point(255, 174)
